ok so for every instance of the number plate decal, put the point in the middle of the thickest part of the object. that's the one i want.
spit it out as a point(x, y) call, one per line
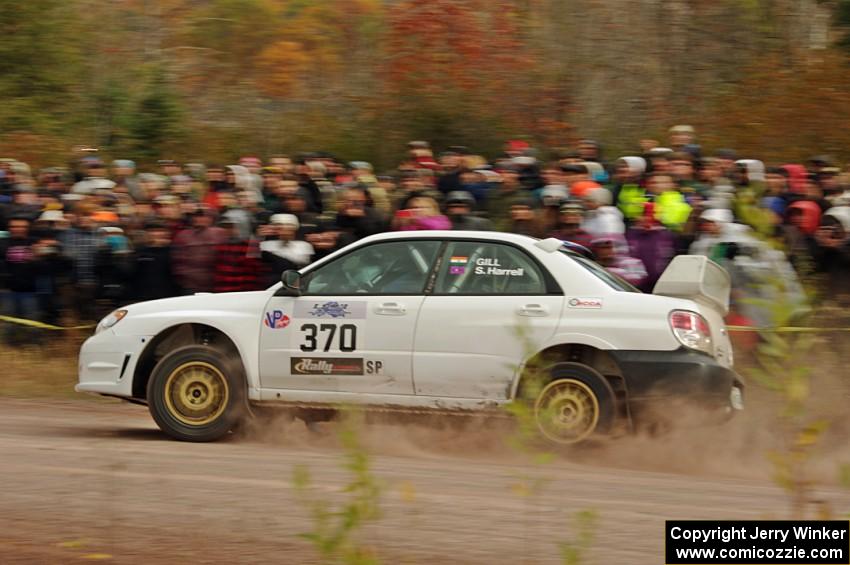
point(328, 337)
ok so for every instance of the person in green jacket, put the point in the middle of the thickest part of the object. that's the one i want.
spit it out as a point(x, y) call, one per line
point(625, 186)
point(671, 209)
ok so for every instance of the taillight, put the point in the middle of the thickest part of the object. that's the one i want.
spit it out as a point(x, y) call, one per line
point(691, 330)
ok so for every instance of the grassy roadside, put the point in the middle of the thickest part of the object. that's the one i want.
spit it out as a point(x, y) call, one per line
point(49, 370)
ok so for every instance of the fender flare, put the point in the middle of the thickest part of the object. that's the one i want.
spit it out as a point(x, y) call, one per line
point(252, 380)
point(556, 340)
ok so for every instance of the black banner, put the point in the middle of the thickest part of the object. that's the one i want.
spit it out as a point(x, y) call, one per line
point(326, 365)
point(759, 542)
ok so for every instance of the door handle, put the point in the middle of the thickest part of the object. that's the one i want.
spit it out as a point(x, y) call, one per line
point(533, 310)
point(390, 309)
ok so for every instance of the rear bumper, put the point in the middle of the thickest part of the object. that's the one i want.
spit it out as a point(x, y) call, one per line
point(661, 379)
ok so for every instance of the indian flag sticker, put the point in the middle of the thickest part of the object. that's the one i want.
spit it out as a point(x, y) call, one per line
point(459, 260)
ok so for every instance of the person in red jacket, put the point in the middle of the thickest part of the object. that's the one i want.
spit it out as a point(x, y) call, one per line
point(194, 252)
point(238, 266)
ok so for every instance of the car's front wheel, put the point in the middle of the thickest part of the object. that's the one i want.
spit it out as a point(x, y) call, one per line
point(575, 404)
point(196, 394)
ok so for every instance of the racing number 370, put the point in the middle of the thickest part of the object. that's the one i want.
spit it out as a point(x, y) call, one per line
point(347, 337)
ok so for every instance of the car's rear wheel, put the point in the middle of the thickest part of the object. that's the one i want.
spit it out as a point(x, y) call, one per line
point(196, 394)
point(576, 404)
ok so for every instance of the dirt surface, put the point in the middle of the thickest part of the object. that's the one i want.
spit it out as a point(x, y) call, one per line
point(97, 481)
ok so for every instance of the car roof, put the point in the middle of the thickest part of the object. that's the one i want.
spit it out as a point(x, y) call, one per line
point(450, 234)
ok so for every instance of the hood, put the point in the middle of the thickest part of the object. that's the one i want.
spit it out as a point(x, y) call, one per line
point(811, 215)
point(198, 303)
point(755, 169)
point(637, 165)
point(842, 214)
point(596, 171)
point(796, 177)
point(242, 176)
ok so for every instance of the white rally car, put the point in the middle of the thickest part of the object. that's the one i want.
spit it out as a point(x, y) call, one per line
point(439, 320)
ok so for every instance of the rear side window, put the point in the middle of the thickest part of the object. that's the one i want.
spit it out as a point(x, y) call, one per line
point(599, 272)
point(483, 268)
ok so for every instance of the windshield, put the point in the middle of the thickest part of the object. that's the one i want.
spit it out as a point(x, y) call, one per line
point(600, 273)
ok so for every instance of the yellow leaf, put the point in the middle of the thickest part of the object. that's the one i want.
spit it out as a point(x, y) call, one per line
point(72, 544)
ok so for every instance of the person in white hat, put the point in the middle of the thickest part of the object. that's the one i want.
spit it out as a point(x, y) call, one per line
point(285, 251)
point(54, 216)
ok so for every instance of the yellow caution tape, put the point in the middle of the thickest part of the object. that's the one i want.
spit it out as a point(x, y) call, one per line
point(786, 329)
point(42, 325)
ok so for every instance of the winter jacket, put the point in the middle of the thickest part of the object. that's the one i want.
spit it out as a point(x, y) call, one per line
point(19, 264)
point(296, 253)
point(154, 274)
point(604, 220)
point(428, 223)
point(631, 200)
point(580, 237)
point(238, 267)
point(671, 209)
point(194, 258)
point(361, 226)
point(655, 248)
point(470, 222)
point(629, 269)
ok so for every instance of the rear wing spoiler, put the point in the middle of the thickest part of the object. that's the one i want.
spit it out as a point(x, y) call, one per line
point(697, 278)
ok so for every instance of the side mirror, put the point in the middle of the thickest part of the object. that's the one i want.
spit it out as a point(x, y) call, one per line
point(291, 280)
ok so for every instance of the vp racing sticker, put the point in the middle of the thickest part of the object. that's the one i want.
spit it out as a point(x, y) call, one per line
point(276, 320)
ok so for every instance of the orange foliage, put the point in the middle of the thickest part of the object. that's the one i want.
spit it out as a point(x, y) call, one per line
point(279, 68)
point(781, 113)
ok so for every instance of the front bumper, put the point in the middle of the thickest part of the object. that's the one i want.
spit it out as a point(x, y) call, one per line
point(107, 363)
point(659, 380)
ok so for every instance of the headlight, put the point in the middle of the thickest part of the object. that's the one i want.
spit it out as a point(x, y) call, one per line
point(110, 320)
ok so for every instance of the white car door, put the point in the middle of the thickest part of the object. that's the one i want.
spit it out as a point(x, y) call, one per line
point(492, 305)
point(352, 329)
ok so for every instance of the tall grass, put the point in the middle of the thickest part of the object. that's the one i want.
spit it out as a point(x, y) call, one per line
point(49, 369)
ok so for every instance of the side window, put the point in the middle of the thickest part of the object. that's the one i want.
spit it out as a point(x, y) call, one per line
point(395, 267)
point(471, 267)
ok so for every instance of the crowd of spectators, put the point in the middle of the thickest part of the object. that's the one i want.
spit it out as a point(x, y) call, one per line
point(77, 241)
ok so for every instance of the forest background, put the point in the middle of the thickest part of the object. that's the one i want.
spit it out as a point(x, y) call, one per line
point(214, 79)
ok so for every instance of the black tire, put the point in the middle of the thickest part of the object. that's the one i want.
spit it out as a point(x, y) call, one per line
point(575, 404)
point(196, 394)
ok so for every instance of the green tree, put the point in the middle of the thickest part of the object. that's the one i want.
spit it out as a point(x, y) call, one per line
point(842, 22)
point(38, 63)
point(156, 126)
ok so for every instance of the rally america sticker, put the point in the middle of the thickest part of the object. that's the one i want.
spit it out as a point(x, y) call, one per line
point(330, 309)
point(326, 365)
point(582, 302)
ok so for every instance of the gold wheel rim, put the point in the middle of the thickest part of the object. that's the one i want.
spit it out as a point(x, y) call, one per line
point(566, 411)
point(196, 393)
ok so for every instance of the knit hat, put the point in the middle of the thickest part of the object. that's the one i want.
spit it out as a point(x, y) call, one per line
point(285, 220)
point(601, 196)
point(553, 195)
point(719, 215)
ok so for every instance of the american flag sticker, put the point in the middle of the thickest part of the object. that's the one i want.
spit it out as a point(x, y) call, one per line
point(455, 270)
point(459, 260)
